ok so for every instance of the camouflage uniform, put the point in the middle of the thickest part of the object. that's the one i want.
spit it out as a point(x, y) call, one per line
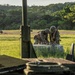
point(37, 39)
point(42, 37)
point(54, 35)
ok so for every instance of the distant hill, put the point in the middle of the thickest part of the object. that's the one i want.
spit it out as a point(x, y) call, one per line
point(39, 17)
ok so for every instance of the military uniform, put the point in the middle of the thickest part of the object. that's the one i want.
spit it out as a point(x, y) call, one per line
point(37, 39)
point(54, 35)
point(42, 37)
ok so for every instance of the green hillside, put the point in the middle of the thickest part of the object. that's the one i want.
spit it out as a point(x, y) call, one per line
point(39, 17)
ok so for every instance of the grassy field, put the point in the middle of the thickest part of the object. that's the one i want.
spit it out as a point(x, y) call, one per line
point(10, 41)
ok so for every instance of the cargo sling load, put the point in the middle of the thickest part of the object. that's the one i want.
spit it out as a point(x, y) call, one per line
point(43, 45)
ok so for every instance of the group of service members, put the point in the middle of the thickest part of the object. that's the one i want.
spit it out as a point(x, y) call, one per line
point(48, 36)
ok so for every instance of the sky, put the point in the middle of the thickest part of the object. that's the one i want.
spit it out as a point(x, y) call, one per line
point(33, 2)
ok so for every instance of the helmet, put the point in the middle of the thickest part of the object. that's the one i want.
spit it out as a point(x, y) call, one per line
point(47, 30)
point(52, 29)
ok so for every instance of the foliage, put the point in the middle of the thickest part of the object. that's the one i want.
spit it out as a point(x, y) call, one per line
point(39, 17)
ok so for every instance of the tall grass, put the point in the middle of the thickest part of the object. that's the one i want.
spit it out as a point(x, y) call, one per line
point(66, 41)
point(10, 42)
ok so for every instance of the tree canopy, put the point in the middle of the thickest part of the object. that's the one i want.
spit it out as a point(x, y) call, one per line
point(39, 17)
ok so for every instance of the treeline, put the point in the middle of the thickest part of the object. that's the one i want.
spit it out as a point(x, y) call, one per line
point(39, 17)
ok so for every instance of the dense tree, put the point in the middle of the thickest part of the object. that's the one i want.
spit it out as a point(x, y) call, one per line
point(39, 17)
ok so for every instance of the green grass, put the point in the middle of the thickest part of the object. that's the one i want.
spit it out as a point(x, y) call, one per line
point(10, 42)
point(10, 48)
point(67, 40)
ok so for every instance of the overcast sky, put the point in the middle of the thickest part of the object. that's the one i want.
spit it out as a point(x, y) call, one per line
point(34, 2)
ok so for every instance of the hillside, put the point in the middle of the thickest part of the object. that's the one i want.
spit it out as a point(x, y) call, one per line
point(39, 17)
